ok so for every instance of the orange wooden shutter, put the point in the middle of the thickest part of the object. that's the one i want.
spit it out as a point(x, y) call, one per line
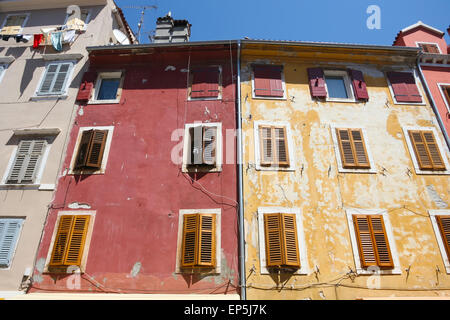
point(69, 242)
point(372, 241)
point(274, 249)
point(266, 145)
point(96, 148)
point(352, 148)
point(207, 242)
point(426, 150)
point(289, 227)
point(444, 227)
point(346, 148)
point(189, 242)
point(83, 149)
point(360, 149)
point(433, 149)
point(281, 146)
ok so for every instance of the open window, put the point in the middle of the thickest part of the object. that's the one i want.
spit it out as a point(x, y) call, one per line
point(13, 24)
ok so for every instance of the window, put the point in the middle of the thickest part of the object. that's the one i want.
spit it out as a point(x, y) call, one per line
point(70, 241)
point(56, 79)
point(427, 154)
point(282, 245)
point(404, 88)
point(199, 241)
point(9, 234)
point(91, 150)
point(202, 147)
point(338, 86)
point(445, 93)
point(352, 148)
point(205, 83)
point(13, 24)
point(372, 241)
point(108, 88)
point(268, 82)
point(440, 220)
point(429, 47)
point(273, 146)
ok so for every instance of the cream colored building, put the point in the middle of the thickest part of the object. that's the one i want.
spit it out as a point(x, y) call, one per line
point(38, 88)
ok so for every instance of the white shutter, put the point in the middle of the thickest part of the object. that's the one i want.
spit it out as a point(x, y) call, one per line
point(9, 233)
point(209, 145)
point(55, 78)
point(27, 161)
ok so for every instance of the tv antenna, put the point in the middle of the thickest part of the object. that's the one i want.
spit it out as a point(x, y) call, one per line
point(141, 21)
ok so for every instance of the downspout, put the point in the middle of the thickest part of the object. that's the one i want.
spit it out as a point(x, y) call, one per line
point(240, 177)
point(432, 102)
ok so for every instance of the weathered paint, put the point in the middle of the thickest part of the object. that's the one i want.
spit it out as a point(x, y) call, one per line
point(322, 193)
point(138, 198)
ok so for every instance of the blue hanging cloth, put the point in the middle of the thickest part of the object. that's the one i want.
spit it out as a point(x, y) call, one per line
point(56, 38)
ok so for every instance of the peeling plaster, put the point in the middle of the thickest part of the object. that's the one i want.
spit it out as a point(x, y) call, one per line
point(136, 269)
point(434, 196)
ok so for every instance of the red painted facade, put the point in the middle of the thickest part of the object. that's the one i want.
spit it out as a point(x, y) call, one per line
point(437, 73)
point(133, 248)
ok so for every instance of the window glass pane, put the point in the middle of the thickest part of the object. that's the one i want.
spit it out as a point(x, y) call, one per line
point(108, 89)
point(336, 87)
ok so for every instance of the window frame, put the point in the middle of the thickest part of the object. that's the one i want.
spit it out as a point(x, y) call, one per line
point(302, 248)
point(337, 150)
point(219, 83)
point(217, 269)
point(443, 151)
point(441, 87)
point(3, 68)
point(102, 170)
point(64, 94)
point(16, 244)
point(27, 16)
point(417, 81)
point(290, 146)
point(283, 83)
point(389, 234)
point(118, 74)
point(88, 18)
point(92, 214)
point(347, 83)
point(187, 143)
point(424, 42)
point(437, 233)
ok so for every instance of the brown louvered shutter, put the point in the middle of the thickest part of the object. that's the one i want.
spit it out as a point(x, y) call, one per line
point(289, 227)
point(265, 138)
point(281, 146)
point(274, 249)
point(352, 148)
point(317, 83)
point(83, 149)
point(96, 148)
point(372, 241)
point(207, 242)
point(209, 145)
point(444, 228)
point(426, 150)
point(61, 241)
point(189, 241)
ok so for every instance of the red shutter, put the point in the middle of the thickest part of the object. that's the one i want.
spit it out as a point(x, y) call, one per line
point(84, 93)
point(359, 85)
point(404, 87)
point(268, 81)
point(205, 83)
point(317, 83)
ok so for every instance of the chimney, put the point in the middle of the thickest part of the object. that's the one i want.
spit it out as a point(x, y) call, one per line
point(169, 30)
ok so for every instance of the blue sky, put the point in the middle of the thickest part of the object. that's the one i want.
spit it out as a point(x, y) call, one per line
point(298, 20)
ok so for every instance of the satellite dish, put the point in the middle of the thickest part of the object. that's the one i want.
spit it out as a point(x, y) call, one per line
point(121, 37)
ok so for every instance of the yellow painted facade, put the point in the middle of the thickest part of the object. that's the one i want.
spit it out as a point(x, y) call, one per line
point(323, 196)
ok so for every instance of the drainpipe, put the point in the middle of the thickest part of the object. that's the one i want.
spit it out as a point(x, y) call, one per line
point(240, 177)
point(432, 102)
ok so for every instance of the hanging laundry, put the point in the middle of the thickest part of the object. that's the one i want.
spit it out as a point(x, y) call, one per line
point(6, 37)
point(69, 36)
point(56, 38)
point(19, 38)
point(37, 40)
point(26, 37)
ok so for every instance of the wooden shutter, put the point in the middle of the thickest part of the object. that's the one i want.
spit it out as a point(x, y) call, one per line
point(273, 146)
point(205, 83)
point(209, 145)
point(281, 146)
point(372, 241)
point(426, 150)
point(199, 241)
point(27, 161)
point(317, 83)
point(87, 86)
point(268, 81)
point(91, 149)
point(429, 47)
point(69, 242)
point(444, 228)
point(265, 139)
point(9, 233)
point(404, 87)
point(359, 85)
point(281, 240)
point(352, 148)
